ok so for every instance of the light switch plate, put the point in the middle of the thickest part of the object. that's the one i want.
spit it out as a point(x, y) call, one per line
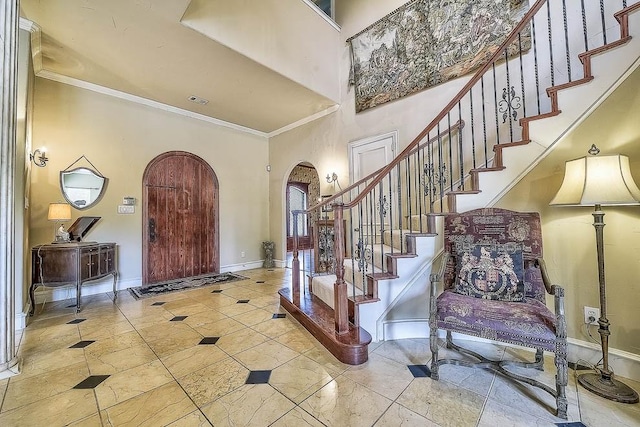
point(126, 209)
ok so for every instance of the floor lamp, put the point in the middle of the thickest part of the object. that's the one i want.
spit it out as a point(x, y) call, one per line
point(600, 181)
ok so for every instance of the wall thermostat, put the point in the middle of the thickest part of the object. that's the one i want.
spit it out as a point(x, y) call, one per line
point(128, 200)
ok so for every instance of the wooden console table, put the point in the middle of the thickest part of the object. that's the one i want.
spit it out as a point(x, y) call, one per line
point(60, 264)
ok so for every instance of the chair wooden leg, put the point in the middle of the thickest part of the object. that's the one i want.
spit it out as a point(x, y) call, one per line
point(433, 343)
point(561, 384)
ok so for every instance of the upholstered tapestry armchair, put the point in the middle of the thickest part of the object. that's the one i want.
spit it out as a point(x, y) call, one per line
point(494, 283)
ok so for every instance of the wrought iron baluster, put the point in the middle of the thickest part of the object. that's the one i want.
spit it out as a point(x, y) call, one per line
point(484, 123)
point(535, 62)
point(509, 90)
point(602, 19)
point(566, 38)
point(551, 69)
point(460, 148)
point(495, 102)
point(584, 26)
point(473, 132)
point(522, 91)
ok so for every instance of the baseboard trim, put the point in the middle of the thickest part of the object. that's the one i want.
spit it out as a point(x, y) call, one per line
point(623, 363)
point(231, 268)
point(44, 294)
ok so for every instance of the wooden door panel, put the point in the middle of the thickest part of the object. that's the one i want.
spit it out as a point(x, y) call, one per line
point(181, 196)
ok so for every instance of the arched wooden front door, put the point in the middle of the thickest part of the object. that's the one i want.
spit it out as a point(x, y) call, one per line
point(180, 235)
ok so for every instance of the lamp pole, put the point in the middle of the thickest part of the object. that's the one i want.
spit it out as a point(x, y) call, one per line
point(602, 383)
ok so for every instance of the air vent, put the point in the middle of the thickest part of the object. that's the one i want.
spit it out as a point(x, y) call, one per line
point(198, 100)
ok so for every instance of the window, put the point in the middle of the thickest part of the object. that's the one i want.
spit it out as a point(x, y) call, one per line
point(298, 201)
point(327, 6)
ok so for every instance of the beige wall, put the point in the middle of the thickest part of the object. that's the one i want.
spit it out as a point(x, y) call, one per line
point(569, 236)
point(120, 138)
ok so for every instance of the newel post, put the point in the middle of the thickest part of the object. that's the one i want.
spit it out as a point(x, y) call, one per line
point(341, 314)
point(295, 264)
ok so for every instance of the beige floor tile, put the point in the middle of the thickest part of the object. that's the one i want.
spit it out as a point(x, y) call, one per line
point(254, 317)
point(159, 315)
point(249, 405)
point(91, 421)
point(275, 327)
point(120, 360)
point(343, 402)
point(164, 329)
point(442, 403)
point(297, 339)
point(598, 411)
point(299, 378)
point(532, 400)
point(194, 419)
point(192, 359)
point(37, 322)
point(59, 410)
point(406, 352)
point(158, 407)
point(173, 343)
point(25, 390)
point(214, 381)
point(37, 363)
point(98, 330)
point(218, 301)
point(268, 355)
point(496, 414)
point(3, 390)
point(50, 338)
point(398, 415)
point(115, 343)
point(297, 418)
point(382, 375)
point(186, 309)
point(200, 319)
point(219, 328)
point(133, 382)
point(241, 292)
point(241, 340)
point(323, 357)
point(235, 309)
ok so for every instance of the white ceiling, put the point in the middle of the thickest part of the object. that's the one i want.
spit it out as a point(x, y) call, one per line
point(140, 47)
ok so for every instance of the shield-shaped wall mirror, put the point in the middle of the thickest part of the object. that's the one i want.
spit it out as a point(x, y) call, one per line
point(82, 187)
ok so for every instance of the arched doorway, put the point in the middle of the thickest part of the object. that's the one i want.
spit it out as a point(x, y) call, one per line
point(302, 192)
point(180, 218)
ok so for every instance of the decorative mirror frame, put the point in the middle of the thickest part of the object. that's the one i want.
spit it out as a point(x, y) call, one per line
point(95, 173)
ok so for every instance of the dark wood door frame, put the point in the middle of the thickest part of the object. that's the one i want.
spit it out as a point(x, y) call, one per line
point(215, 208)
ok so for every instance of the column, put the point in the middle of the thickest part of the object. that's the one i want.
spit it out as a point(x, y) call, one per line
point(8, 74)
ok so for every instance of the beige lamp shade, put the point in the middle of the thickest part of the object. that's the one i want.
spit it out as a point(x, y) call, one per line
point(597, 180)
point(59, 212)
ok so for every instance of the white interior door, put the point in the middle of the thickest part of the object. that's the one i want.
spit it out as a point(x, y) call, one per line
point(367, 156)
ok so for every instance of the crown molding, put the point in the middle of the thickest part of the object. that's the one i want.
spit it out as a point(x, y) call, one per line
point(304, 121)
point(36, 43)
point(144, 101)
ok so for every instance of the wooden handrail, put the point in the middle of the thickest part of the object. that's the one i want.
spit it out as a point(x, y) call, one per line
point(498, 54)
point(456, 126)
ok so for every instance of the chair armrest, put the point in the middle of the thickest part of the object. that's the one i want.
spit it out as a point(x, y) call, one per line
point(558, 298)
point(439, 275)
point(545, 276)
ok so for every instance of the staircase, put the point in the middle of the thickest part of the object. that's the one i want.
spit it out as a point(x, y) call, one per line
point(555, 67)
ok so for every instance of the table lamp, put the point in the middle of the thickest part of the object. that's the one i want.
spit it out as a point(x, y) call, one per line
point(59, 212)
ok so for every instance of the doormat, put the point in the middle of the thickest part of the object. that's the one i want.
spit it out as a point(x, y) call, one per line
point(182, 284)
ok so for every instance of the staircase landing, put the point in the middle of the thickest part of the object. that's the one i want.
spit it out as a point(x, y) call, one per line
point(318, 318)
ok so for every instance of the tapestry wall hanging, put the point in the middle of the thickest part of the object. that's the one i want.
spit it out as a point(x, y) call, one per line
point(427, 42)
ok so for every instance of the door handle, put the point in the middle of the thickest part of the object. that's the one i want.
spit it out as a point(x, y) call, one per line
point(152, 230)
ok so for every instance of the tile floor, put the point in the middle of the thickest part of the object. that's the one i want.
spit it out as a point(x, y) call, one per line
point(201, 358)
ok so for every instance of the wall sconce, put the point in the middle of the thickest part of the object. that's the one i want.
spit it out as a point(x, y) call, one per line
point(333, 179)
point(39, 157)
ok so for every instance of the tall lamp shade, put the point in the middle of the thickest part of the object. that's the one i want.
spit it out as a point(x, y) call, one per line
point(59, 212)
point(600, 181)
